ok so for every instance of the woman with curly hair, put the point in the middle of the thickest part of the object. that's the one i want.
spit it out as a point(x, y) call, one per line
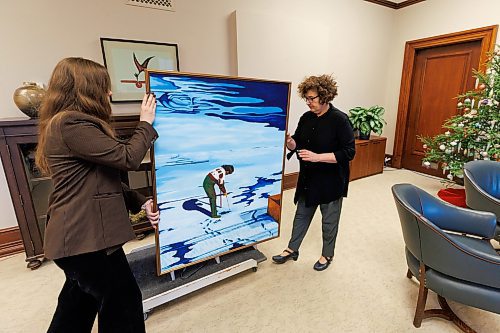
point(324, 143)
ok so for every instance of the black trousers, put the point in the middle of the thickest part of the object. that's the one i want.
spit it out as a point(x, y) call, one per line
point(97, 283)
point(330, 217)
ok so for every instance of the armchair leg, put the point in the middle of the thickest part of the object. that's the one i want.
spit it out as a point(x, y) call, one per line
point(445, 312)
point(453, 317)
point(422, 297)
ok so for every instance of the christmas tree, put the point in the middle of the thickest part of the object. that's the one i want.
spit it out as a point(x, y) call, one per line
point(474, 132)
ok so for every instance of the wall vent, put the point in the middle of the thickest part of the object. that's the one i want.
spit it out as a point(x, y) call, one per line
point(156, 4)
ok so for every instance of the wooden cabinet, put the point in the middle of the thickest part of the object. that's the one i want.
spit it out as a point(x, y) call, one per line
point(369, 159)
point(29, 190)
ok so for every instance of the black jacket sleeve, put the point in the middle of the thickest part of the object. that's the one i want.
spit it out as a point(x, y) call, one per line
point(133, 199)
point(296, 137)
point(347, 148)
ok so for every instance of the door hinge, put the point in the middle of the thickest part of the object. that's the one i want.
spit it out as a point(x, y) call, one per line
point(8, 150)
point(21, 200)
point(32, 246)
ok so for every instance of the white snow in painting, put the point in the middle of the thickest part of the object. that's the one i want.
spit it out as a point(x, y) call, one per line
point(203, 124)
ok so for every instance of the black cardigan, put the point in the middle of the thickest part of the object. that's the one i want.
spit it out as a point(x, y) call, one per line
point(321, 182)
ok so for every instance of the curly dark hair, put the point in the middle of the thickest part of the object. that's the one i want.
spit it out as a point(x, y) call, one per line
point(324, 84)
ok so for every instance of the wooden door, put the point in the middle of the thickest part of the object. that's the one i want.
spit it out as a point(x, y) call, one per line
point(440, 74)
point(435, 71)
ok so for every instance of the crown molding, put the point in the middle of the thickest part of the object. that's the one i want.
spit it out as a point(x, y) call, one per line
point(394, 5)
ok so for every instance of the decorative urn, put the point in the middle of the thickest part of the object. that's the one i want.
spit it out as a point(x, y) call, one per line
point(28, 98)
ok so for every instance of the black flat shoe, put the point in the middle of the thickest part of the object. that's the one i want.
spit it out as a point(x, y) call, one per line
point(321, 267)
point(279, 259)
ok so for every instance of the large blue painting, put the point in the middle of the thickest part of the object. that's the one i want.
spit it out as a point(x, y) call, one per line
point(218, 159)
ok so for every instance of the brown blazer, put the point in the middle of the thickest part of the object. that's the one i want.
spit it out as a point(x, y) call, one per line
point(87, 209)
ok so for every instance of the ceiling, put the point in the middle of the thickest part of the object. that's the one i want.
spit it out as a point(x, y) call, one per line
point(395, 4)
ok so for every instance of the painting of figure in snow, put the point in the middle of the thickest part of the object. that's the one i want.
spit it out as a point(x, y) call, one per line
point(218, 158)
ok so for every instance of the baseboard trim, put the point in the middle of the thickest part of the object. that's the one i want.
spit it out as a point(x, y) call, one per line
point(290, 180)
point(10, 241)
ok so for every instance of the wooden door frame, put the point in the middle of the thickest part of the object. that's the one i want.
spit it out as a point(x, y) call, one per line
point(486, 35)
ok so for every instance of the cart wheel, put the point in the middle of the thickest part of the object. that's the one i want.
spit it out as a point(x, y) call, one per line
point(254, 269)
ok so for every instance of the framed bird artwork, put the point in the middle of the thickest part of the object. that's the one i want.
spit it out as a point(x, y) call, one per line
point(127, 60)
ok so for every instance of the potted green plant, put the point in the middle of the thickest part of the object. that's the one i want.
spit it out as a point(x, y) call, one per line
point(367, 120)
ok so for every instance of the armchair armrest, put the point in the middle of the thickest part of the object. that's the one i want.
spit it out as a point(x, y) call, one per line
point(453, 218)
point(478, 199)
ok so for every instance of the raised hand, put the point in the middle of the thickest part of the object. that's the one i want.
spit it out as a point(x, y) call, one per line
point(148, 108)
point(290, 142)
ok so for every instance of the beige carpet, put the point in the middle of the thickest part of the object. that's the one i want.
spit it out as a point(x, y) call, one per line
point(365, 289)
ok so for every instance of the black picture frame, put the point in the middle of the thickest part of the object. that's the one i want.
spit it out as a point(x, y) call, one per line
point(126, 61)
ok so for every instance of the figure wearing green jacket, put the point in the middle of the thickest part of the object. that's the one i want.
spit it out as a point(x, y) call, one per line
point(216, 176)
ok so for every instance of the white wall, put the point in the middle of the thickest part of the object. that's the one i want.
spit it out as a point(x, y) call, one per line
point(364, 43)
point(40, 33)
point(427, 19)
point(348, 39)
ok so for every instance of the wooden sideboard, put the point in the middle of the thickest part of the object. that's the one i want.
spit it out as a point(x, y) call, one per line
point(369, 159)
point(30, 191)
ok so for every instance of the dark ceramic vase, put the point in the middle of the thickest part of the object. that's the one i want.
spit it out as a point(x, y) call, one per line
point(364, 136)
point(28, 98)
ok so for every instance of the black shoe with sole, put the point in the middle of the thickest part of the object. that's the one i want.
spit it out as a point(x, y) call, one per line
point(279, 259)
point(321, 267)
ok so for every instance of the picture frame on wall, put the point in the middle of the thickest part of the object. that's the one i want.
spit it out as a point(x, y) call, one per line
point(217, 164)
point(127, 60)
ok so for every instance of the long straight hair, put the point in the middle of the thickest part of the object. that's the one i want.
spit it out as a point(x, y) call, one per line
point(76, 84)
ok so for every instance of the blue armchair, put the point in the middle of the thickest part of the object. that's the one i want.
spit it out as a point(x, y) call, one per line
point(449, 252)
point(482, 188)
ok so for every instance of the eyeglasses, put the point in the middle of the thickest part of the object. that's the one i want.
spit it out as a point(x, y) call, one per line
point(309, 99)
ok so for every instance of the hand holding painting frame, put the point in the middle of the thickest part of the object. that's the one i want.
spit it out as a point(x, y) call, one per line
point(127, 60)
point(216, 134)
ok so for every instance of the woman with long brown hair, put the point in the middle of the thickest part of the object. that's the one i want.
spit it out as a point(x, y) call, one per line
point(87, 218)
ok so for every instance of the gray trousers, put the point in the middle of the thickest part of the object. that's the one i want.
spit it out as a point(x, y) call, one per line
point(330, 215)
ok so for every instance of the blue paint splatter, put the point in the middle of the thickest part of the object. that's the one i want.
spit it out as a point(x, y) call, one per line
point(249, 191)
